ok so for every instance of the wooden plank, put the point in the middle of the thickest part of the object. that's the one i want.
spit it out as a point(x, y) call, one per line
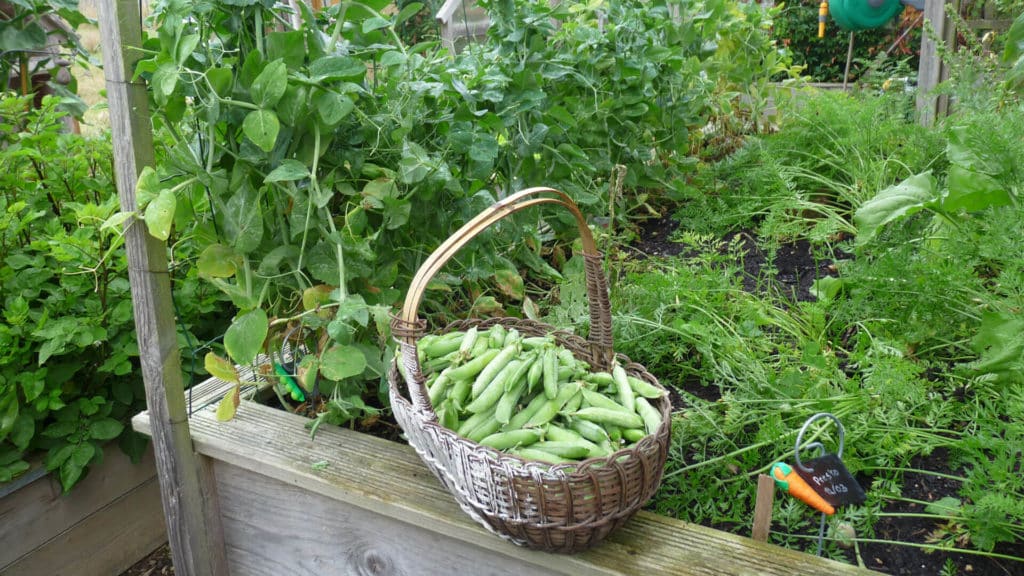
point(932, 70)
point(389, 480)
point(273, 528)
point(104, 543)
point(193, 530)
point(38, 512)
point(763, 507)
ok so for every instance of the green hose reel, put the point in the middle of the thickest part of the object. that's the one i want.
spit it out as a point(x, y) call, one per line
point(864, 14)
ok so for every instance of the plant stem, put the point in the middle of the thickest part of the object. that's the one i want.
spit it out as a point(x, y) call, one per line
point(932, 547)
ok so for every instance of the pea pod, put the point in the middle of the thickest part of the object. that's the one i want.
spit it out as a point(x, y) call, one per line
point(488, 373)
point(542, 455)
point(511, 439)
point(613, 417)
point(468, 343)
point(633, 434)
point(536, 371)
point(507, 403)
point(534, 342)
point(625, 392)
point(497, 336)
point(552, 407)
point(645, 388)
point(574, 403)
point(431, 346)
point(483, 430)
point(600, 378)
point(459, 392)
point(598, 400)
point(490, 395)
point(589, 430)
point(570, 450)
point(472, 368)
point(557, 433)
point(438, 388)
point(520, 418)
point(650, 415)
point(474, 422)
point(550, 373)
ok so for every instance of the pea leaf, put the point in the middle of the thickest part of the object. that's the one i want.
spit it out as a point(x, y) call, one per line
point(217, 261)
point(229, 404)
point(270, 85)
point(288, 46)
point(375, 23)
point(105, 429)
point(262, 127)
point(510, 283)
point(333, 108)
point(159, 214)
point(220, 367)
point(337, 68)
point(908, 197)
point(288, 171)
point(340, 362)
point(410, 10)
point(244, 338)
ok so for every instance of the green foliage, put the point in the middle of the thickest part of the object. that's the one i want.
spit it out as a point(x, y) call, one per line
point(915, 346)
point(796, 27)
point(314, 170)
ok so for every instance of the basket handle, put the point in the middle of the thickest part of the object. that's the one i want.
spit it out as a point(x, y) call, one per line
point(408, 327)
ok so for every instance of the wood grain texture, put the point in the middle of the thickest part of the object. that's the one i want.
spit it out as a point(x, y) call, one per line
point(39, 512)
point(371, 477)
point(932, 70)
point(193, 532)
point(763, 508)
point(105, 542)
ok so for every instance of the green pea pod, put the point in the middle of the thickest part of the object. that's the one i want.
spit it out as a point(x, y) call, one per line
point(633, 434)
point(468, 342)
point(600, 378)
point(530, 453)
point(490, 395)
point(610, 417)
point(573, 404)
point(436, 347)
point(511, 439)
point(645, 388)
point(552, 407)
point(438, 389)
point(569, 450)
point(497, 336)
point(650, 415)
point(459, 392)
point(472, 368)
point(520, 418)
point(550, 373)
point(589, 430)
point(598, 400)
point(490, 426)
point(625, 392)
point(473, 422)
point(493, 368)
point(535, 342)
point(507, 403)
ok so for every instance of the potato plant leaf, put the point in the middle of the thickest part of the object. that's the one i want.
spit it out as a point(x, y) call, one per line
point(105, 429)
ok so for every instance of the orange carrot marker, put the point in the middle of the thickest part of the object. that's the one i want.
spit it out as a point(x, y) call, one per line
point(797, 487)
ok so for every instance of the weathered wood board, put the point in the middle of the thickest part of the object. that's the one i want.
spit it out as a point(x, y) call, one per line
point(109, 521)
point(349, 503)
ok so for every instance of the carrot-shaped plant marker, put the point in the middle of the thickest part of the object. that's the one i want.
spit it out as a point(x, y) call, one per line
point(787, 479)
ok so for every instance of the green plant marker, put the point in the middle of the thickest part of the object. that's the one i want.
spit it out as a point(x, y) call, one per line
point(289, 383)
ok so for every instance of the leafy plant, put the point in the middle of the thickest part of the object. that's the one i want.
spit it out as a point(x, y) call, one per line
point(68, 376)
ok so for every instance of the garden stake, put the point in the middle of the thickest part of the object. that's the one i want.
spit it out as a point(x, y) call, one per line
point(839, 454)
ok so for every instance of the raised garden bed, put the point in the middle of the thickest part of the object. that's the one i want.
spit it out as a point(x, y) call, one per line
point(110, 520)
point(350, 503)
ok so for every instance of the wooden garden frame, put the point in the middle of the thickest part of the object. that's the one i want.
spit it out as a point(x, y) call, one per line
point(190, 465)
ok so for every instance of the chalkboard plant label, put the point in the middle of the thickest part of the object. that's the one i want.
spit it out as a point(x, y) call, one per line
point(830, 478)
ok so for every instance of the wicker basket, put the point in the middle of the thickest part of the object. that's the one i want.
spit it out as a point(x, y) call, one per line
point(562, 508)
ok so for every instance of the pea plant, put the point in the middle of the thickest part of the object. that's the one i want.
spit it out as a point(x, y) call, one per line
point(315, 167)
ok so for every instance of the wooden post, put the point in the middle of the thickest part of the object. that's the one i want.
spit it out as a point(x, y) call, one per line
point(193, 521)
point(763, 507)
point(932, 69)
